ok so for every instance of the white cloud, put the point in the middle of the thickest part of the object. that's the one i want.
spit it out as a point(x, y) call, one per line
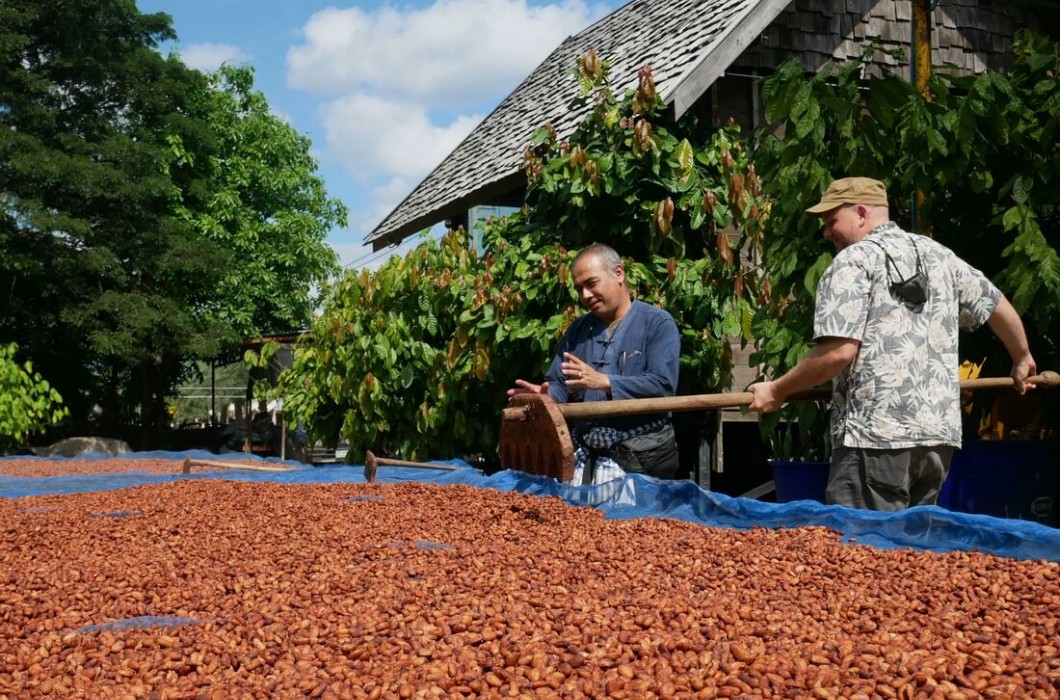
point(282, 116)
point(379, 202)
point(384, 198)
point(389, 194)
point(446, 54)
point(372, 135)
point(209, 57)
point(399, 87)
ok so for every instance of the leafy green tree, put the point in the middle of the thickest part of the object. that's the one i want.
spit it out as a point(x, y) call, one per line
point(403, 359)
point(27, 402)
point(266, 207)
point(416, 357)
point(151, 215)
point(101, 281)
point(681, 197)
point(985, 151)
point(982, 152)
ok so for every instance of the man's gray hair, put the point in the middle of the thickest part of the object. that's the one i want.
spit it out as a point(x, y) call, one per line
point(607, 256)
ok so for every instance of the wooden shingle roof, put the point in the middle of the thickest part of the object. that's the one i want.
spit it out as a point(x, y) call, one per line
point(689, 44)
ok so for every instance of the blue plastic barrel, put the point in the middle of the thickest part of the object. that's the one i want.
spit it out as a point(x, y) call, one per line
point(800, 481)
point(1005, 478)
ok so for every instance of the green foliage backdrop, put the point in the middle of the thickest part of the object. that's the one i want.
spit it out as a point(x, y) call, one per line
point(151, 215)
point(265, 207)
point(983, 153)
point(415, 358)
point(28, 404)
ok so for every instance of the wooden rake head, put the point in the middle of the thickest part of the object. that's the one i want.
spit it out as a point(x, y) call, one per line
point(535, 439)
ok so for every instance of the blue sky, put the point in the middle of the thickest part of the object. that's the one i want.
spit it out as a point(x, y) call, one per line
point(385, 90)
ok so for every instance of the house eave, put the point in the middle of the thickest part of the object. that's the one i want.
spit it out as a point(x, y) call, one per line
point(454, 208)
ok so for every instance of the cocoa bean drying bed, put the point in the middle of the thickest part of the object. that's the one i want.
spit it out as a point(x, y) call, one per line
point(225, 587)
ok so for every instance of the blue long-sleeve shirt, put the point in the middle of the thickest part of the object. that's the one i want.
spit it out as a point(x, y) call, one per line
point(642, 359)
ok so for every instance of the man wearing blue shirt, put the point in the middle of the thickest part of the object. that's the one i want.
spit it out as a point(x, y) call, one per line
point(621, 349)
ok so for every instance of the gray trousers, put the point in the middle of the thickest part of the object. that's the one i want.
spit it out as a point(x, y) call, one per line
point(887, 480)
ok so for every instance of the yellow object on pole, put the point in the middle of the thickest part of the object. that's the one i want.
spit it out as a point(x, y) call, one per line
point(922, 46)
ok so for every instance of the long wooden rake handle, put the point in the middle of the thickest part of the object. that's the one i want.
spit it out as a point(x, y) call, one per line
point(189, 463)
point(372, 464)
point(626, 407)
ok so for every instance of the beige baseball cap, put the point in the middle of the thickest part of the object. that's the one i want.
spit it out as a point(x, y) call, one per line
point(850, 190)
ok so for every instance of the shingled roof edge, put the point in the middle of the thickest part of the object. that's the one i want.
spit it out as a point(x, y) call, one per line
point(403, 231)
point(695, 82)
point(498, 186)
point(381, 237)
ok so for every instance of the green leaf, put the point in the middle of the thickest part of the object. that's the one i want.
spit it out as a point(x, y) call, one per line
point(408, 375)
point(981, 181)
point(1021, 188)
point(731, 323)
point(685, 157)
point(1013, 218)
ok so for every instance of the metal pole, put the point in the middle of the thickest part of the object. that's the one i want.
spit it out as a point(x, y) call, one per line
point(213, 393)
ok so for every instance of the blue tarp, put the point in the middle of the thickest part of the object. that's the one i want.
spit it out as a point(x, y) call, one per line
point(925, 527)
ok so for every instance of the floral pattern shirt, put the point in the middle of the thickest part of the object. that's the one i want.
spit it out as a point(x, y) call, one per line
point(902, 389)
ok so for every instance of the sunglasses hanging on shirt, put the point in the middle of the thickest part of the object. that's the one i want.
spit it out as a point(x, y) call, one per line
point(912, 290)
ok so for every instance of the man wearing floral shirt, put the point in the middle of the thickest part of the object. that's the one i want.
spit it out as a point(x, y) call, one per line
point(885, 328)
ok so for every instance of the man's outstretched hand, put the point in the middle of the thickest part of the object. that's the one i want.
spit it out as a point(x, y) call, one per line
point(524, 387)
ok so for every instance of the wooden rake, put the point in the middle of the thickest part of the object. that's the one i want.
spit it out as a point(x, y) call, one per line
point(535, 438)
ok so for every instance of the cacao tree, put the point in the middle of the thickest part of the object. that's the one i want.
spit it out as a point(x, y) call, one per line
point(415, 358)
point(28, 403)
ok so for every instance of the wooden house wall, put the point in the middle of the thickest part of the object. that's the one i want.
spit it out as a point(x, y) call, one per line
point(819, 31)
point(968, 36)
